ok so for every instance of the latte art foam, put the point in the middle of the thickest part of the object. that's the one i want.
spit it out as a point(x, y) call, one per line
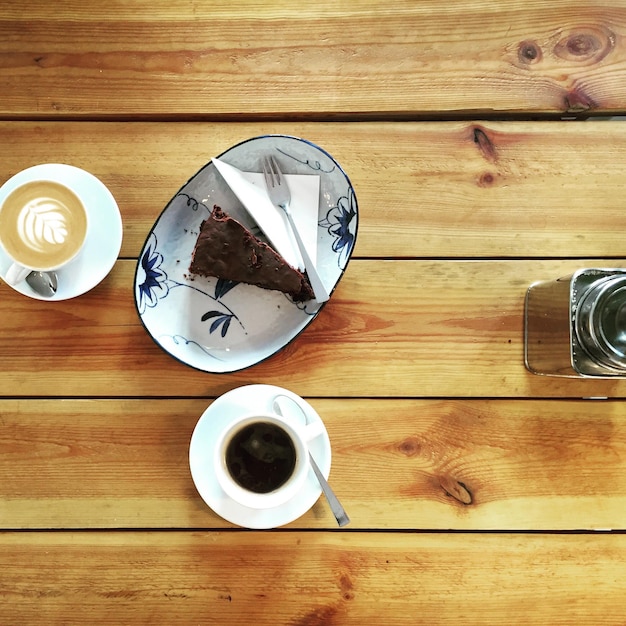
point(43, 221)
point(43, 225)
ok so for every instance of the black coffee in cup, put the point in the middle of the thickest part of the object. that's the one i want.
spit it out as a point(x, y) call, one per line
point(261, 457)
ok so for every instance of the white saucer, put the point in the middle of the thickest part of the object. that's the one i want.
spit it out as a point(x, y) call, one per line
point(104, 236)
point(227, 407)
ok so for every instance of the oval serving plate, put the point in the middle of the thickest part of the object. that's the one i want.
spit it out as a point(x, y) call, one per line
point(221, 326)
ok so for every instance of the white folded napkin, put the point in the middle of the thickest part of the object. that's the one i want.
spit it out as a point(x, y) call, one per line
point(250, 188)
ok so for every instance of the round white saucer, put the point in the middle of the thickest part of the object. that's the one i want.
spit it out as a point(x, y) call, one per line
point(104, 235)
point(227, 407)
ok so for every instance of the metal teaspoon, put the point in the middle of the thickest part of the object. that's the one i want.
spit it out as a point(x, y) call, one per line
point(338, 511)
point(43, 283)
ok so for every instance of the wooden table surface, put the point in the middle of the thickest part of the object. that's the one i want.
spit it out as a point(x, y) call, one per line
point(485, 149)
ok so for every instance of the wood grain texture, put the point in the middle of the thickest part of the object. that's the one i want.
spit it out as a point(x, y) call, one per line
point(459, 468)
point(364, 57)
point(314, 579)
point(455, 189)
point(392, 328)
point(397, 464)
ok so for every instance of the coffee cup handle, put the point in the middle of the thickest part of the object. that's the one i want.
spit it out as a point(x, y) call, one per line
point(16, 274)
point(313, 429)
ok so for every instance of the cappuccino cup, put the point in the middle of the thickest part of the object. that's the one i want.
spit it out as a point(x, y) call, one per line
point(43, 226)
point(262, 460)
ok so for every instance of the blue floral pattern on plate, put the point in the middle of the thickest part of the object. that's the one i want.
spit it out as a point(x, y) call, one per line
point(224, 326)
point(153, 283)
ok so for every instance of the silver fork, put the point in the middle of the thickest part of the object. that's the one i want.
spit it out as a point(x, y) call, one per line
point(280, 195)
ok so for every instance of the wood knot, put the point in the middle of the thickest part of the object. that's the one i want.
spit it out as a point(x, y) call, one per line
point(582, 45)
point(347, 587)
point(457, 490)
point(591, 44)
point(529, 52)
point(410, 446)
point(576, 101)
point(484, 143)
point(486, 180)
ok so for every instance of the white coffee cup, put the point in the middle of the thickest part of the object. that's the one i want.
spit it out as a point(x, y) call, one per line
point(247, 435)
point(43, 226)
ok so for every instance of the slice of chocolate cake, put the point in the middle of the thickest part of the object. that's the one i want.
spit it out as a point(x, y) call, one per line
point(226, 249)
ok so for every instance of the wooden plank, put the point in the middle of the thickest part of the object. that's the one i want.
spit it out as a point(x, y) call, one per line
point(302, 578)
point(397, 464)
point(424, 190)
point(366, 57)
point(441, 328)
